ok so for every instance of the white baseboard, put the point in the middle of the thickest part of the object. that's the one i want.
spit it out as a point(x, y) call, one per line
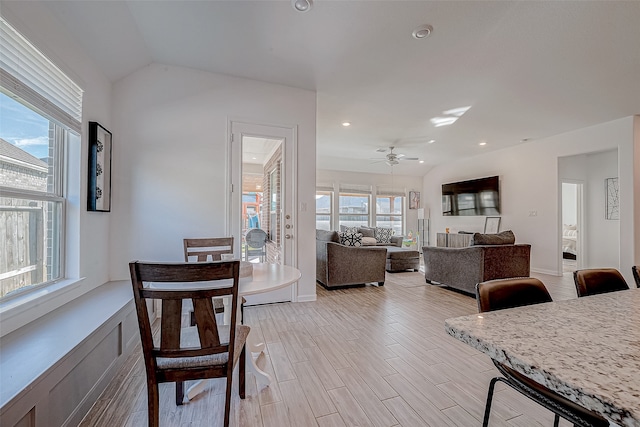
point(307, 298)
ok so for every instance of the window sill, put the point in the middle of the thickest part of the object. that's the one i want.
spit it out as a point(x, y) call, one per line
point(24, 309)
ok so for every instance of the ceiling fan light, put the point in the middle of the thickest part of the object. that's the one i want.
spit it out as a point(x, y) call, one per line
point(302, 5)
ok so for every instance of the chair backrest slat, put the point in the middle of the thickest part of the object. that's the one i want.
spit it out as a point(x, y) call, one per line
point(206, 322)
point(170, 324)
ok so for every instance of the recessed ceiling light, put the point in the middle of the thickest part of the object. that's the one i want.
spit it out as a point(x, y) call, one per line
point(254, 158)
point(431, 141)
point(302, 5)
point(421, 161)
point(482, 143)
point(422, 32)
point(346, 124)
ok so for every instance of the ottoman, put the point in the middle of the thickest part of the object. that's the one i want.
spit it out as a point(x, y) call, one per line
point(400, 259)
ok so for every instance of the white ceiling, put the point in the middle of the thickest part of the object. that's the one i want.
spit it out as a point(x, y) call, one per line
point(528, 70)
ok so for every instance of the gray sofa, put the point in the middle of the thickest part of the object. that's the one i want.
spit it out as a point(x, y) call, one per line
point(488, 257)
point(339, 266)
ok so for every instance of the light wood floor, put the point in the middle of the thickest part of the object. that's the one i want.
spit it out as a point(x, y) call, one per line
point(372, 356)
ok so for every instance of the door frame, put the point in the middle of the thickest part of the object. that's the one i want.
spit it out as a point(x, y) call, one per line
point(236, 129)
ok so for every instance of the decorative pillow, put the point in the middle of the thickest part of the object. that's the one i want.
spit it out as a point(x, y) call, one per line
point(383, 235)
point(368, 241)
point(351, 239)
point(347, 229)
point(503, 238)
point(366, 232)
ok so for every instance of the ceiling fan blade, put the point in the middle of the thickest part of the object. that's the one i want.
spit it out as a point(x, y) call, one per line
point(410, 158)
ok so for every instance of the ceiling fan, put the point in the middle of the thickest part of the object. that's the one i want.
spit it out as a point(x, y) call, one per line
point(392, 158)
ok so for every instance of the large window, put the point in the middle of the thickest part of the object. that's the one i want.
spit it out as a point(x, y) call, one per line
point(323, 209)
point(39, 107)
point(354, 206)
point(390, 212)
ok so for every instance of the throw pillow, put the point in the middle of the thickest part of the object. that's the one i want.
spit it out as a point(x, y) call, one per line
point(366, 232)
point(503, 238)
point(383, 235)
point(351, 239)
point(368, 241)
point(351, 230)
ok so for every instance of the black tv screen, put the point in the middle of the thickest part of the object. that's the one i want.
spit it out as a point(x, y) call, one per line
point(474, 197)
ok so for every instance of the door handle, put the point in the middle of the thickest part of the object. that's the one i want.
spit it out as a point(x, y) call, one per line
point(288, 236)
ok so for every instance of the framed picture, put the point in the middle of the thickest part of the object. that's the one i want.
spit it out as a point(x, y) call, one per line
point(414, 199)
point(99, 184)
point(492, 225)
point(612, 203)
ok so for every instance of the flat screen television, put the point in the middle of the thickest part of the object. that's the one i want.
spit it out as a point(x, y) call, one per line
point(475, 197)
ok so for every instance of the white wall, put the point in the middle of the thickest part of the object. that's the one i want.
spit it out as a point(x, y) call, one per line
point(530, 183)
point(601, 236)
point(171, 160)
point(398, 182)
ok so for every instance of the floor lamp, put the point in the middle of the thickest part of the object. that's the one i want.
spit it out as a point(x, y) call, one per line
point(423, 228)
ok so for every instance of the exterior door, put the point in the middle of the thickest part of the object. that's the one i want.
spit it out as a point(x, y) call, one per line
point(262, 199)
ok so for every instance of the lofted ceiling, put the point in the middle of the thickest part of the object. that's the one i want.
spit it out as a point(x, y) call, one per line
point(526, 69)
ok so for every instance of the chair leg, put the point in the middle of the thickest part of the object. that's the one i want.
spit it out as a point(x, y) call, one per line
point(241, 378)
point(153, 404)
point(487, 408)
point(556, 420)
point(179, 393)
point(227, 400)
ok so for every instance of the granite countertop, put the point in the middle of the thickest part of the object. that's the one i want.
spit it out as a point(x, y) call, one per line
point(587, 349)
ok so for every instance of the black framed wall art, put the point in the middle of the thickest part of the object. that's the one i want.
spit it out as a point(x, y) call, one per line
point(99, 185)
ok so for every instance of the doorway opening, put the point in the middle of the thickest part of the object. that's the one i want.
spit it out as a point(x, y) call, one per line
point(261, 176)
point(572, 210)
point(262, 199)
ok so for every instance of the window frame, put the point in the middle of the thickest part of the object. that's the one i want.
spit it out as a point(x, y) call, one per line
point(402, 215)
point(346, 192)
point(57, 195)
point(328, 193)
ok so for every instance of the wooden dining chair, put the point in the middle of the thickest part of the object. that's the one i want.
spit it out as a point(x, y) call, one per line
point(206, 350)
point(509, 293)
point(598, 281)
point(636, 275)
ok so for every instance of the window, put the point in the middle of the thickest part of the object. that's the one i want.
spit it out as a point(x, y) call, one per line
point(390, 212)
point(323, 209)
point(39, 109)
point(354, 205)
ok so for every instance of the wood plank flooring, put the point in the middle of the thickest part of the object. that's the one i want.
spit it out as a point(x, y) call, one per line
point(372, 356)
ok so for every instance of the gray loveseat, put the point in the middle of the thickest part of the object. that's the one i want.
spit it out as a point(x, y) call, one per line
point(339, 266)
point(488, 257)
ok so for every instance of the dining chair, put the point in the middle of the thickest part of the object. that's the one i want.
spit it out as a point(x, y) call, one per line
point(509, 293)
point(636, 275)
point(598, 281)
point(255, 243)
point(178, 354)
